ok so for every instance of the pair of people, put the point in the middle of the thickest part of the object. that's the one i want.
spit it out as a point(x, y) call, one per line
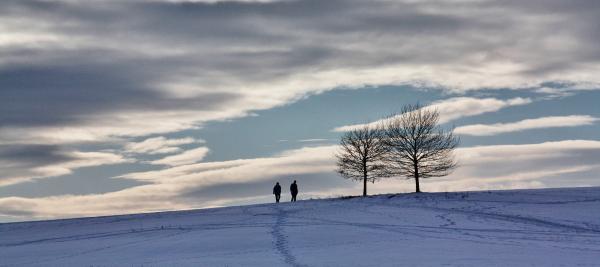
point(293, 190)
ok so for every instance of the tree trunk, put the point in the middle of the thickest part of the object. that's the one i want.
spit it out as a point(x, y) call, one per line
point(417, 189)
point(365, 182)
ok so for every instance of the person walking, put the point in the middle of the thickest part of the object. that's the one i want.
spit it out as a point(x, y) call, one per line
point(294, 190)
point(277, 192)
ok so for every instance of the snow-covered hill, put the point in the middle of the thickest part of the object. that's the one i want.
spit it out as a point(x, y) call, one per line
point(549, 227)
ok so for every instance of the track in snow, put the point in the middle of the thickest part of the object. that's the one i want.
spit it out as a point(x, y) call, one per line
point(280, 239)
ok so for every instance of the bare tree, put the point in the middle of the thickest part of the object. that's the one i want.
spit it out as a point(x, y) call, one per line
point(361, 156)
point(417, 146)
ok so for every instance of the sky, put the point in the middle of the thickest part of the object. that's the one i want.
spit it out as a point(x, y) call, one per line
point(111, 107)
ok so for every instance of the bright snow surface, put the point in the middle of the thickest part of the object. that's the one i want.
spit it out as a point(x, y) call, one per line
point(549, 227)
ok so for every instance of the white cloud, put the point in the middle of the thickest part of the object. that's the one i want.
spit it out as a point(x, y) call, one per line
point(138, 76)
point(168, 187)
point(423, 43)
point(159, 145)
point(114, 127)
point(314, 140)
point(147, 77)
point(304, 160)
point(459, 107)
point(486, 167)
point(565, 89)
point(528, 124)
point(456, 108)
point(187, 157)
point(550, 164)
point(551, 93)
point(566, 163)
point(18, 171)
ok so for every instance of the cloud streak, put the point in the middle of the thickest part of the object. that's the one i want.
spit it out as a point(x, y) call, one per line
point(453, 109)
point(177, 187)
point(562, 163)
point(25, 163)
point(159, 145)
point(528, 124)
point(186, 157)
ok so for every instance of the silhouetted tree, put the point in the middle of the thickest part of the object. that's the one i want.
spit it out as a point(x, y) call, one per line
point(417, 146)
point(361, 156)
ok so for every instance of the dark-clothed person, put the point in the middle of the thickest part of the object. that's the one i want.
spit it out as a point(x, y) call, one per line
point(277, 192)
point(294, 190)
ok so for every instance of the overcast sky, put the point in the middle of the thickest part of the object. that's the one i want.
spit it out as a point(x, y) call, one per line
point(110, 107)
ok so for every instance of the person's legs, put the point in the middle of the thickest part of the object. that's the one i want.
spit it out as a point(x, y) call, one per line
point(277, 198)
point(294, 198)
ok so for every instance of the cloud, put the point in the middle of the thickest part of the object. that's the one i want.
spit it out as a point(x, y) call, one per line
point(178, 187)
point(159, 145)
point(24, 163)
point(75, 72)
point(568, 163)
point(485, 167)
point(455, 108)
point(187, 157)
point(209, 184)
point(110, 72)
point(288, 162)
point(528, 124)
point(139, 63)
point(314, 140)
